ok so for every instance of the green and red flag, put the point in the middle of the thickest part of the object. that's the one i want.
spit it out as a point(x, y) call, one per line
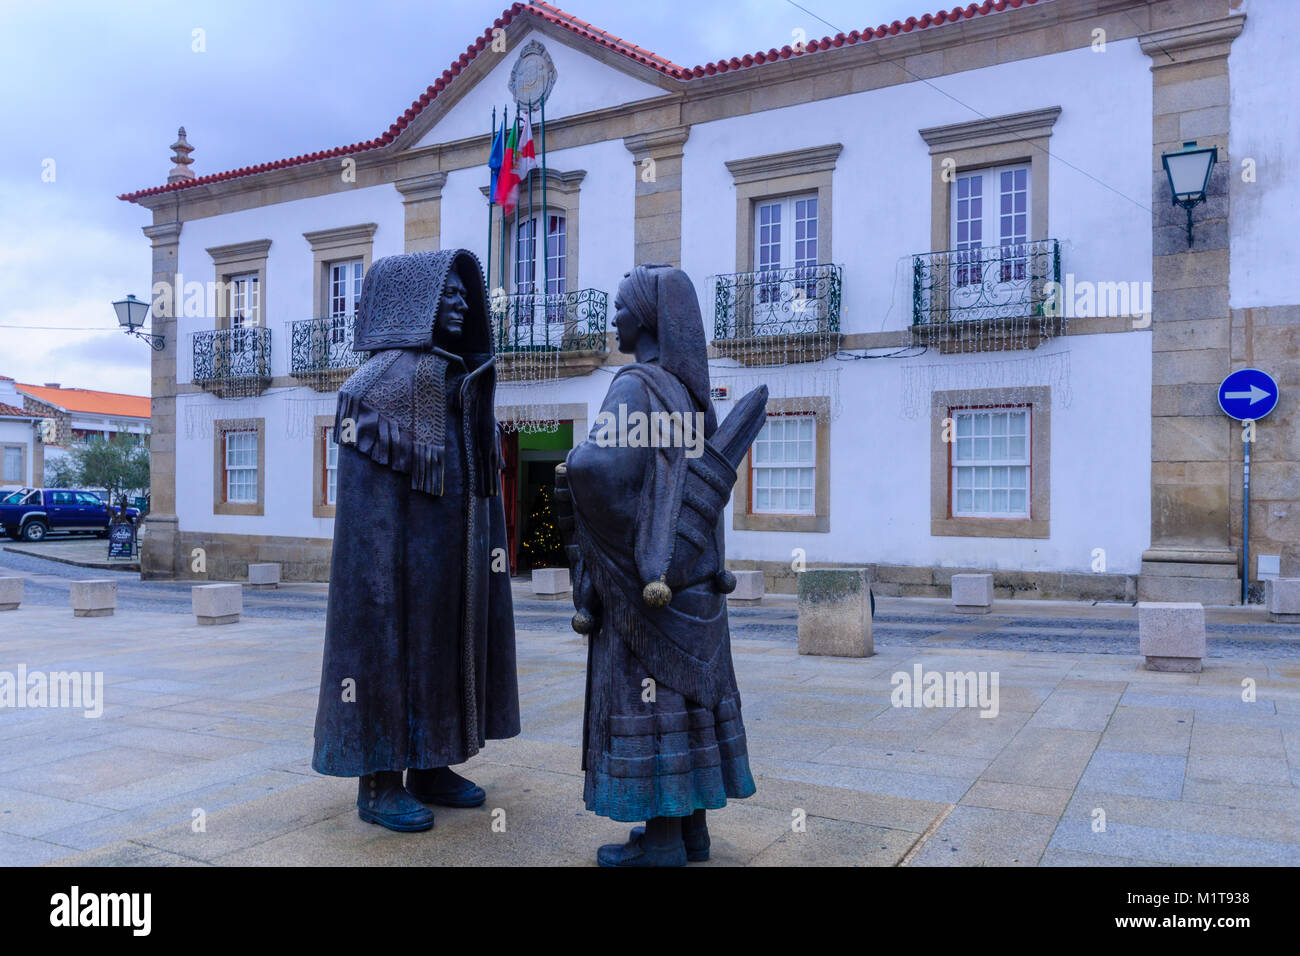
point(508, 180)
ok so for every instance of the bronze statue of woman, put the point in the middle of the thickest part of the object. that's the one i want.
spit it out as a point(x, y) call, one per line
point(663, 739)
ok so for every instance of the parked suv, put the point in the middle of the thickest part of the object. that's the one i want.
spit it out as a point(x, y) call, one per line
point(32, 513)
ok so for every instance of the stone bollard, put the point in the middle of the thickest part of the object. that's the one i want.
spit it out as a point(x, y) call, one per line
point(835, 612)
point(749, 588)
point(1171, 636)
point(1282, 598)
point(96, 598)
point(264, 577)
point(217, 603)
point(551, 584)
point(11, 593)
point(972, 593)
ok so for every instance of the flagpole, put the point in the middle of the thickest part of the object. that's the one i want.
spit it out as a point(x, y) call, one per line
point(546, 215)
point(531, 217)
point(491, 140)
point(501, 268)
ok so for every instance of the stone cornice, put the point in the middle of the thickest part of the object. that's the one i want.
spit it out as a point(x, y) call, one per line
point(163, 234)
point(237, 251)
point(342, 236)
point(818, 159)
point(993, 131)
point(561, 182)
point(1191, 42)
point(657, 143)
point(421, 188)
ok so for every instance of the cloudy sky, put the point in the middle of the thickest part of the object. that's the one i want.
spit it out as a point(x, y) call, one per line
point(95, 90)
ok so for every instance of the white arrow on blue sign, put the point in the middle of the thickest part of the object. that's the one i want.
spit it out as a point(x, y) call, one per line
point(1247, 393)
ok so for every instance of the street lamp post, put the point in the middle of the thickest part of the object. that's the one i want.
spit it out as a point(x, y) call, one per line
point(131, 313)
point(1188, 170)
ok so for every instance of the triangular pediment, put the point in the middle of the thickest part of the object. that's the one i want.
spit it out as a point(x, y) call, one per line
point(587, 78)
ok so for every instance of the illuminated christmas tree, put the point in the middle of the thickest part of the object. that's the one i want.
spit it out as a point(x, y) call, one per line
point(541, 546)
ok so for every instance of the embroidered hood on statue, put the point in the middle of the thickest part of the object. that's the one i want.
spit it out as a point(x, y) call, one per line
point(401, 295)
point(396, 403)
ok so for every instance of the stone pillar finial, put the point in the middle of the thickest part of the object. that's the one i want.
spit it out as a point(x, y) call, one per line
point(181, 150)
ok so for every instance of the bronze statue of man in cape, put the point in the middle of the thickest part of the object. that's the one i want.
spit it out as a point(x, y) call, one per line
point(663, 739)
point(419, 664)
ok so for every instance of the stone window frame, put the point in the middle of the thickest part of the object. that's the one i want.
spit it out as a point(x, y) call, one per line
point(320, 506)
point(22, 462)
point(774, 176)
point(1038, 399)
point(743, 519)
point(562, 194)
point(219, 431)
point(329, 246)
point(240, 258)
point(979, 144)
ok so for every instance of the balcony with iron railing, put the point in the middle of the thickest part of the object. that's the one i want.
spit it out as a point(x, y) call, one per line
point(568, 326)
point(320, 351)
point(988, 298)
point(232, 363)
point(777, 316)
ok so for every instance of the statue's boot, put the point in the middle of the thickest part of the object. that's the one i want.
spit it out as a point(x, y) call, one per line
point(660, 844)
point(695, 837)
point(443, 787)
point(382, 799)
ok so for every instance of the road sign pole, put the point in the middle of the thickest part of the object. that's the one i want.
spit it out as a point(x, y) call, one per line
point(1247, 395)
point(1245, 522)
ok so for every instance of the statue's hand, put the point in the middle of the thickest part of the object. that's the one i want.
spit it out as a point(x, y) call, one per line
point(586, 602)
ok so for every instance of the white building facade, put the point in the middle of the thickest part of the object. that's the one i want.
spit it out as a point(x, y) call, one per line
point(946, 247)
point(21, 453)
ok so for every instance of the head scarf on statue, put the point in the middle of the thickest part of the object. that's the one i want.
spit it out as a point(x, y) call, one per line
point(663, 301)
point(424, 318)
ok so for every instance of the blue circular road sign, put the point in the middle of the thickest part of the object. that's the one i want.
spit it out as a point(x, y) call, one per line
point(1247, 393)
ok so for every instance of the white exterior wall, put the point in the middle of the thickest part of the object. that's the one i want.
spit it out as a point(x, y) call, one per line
point(881, 187)
point(1265, 128)
point(880, 512)
point(1101, 447)
point(16, 432)
point(880, 472)
point(287, 298)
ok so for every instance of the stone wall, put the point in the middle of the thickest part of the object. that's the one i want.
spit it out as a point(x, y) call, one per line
point(227, 556)
point(61, 419)
point(1269, 339)
point(935, 582)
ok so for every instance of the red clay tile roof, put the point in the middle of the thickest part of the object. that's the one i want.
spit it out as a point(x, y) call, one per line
point(583, 29)
point(89, 401)
point(11, 412)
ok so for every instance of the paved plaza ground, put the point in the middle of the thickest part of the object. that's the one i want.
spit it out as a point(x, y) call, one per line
point(219, 720)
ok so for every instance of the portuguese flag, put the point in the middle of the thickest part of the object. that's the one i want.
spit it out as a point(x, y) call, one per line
point(508, 181)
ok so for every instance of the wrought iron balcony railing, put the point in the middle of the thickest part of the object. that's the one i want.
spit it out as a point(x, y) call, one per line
point(777, 302)
point(233, 362)
point(992, 283)
point(320, 351)
point(557, 322)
